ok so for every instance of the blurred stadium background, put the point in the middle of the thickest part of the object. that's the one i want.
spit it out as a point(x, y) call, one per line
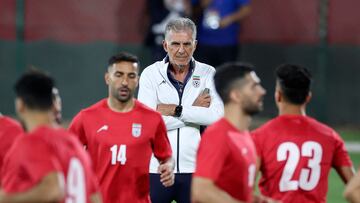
point(72, 39)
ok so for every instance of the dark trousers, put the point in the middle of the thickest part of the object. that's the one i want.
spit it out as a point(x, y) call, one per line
point(216, 55)
point(180, 191)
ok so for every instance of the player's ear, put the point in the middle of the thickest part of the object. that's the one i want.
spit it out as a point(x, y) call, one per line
point(235, 95)
point(165, 46)
point(107, 77)
point(278, 96)
point(19, 105)
point(308, 98)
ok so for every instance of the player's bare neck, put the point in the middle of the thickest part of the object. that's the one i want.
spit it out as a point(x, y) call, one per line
point(34, 120)
point(121, 107)
point(237, 118)
point(289, 109)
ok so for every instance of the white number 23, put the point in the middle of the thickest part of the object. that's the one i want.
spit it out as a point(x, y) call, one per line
point(309, 176)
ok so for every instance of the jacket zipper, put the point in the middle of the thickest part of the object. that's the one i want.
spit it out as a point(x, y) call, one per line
point(180, 93)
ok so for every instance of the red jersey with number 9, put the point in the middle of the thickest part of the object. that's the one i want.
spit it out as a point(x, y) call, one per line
point(297, 153)
point(46, 150)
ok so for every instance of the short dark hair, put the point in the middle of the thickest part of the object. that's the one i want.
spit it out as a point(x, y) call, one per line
point(35, 88)
point(295, 82)
point(123, 56)
point(227, 75)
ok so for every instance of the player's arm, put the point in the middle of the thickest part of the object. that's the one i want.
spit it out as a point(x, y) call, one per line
point(166, 170)
point(204, 190)
point(352, 190)
point(345, 173)
point(341, 160)
point(49, 189)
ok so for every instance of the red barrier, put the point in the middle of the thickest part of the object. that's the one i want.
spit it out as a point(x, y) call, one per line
point(344, 22)
point(122, 21)
point(84, 20)
point(7, 20)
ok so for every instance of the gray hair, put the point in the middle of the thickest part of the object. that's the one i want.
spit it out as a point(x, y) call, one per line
point(180, 24)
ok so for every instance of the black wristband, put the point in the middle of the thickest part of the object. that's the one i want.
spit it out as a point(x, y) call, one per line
point(178, 111)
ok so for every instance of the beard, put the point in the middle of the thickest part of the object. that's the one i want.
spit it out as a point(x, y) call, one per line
point(252, 108)
point(122, 98)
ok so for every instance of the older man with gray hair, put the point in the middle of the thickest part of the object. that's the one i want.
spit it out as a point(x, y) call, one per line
point(182, 90)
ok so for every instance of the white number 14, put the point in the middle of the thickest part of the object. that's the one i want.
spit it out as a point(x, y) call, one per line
point(118, 155)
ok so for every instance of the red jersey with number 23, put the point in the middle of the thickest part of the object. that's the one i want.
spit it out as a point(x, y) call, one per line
point(120, 145)
point(47, 150)
point(297, 153)
point(228, 157)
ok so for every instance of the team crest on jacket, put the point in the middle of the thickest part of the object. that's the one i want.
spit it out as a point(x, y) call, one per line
point(136, 129)
point(196, 81)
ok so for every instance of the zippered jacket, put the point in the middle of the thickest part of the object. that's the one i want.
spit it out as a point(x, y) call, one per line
point(184, 131)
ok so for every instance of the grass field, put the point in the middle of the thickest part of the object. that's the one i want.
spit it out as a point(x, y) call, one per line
point(336, 186)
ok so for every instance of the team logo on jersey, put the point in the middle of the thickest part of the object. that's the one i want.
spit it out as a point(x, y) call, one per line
point(196, 81)
point(136, 129)
point(103, 128)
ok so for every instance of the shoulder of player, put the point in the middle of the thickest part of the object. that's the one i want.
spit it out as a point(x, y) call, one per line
point(265, 127)
point(53, 137)
point(29, 141)
point(322, 128)
point(9, 122)
point(93, 109)
point(216, 130)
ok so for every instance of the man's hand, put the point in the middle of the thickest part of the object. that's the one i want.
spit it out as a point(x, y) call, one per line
point(203, 100)
point(166, 171)
point(166, 109)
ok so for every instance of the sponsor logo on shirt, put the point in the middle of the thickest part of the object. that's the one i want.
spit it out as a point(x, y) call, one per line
point(103, 128)
point(136, 129)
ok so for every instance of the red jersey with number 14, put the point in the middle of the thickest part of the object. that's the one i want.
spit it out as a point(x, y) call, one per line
point(228, 157)
point(47, 150)
point(120, 145)
point(297, 153)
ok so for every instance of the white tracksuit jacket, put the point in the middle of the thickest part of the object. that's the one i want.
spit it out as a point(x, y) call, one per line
point(183, 132)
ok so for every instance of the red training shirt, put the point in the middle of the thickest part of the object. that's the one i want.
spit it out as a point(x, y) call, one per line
point(10, 129)
point(228, 157)
point(297, 153)
point(120, 145)
point(47, 150)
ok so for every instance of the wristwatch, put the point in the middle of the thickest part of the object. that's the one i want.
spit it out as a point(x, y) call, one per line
point(178, 111)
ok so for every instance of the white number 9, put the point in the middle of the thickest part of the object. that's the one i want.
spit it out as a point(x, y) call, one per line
point(75, 182)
